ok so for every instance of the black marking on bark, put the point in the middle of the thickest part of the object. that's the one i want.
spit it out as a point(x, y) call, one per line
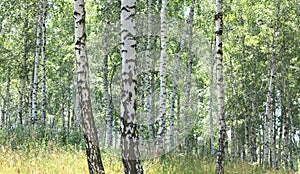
point(220, 52)
point(219, 32)
point(219, 15)
point(76, 13)
point(125, 8)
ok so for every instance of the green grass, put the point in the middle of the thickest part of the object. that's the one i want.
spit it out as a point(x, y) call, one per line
point(51, 159)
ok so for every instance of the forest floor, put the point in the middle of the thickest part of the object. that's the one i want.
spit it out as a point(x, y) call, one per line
point(50, 159)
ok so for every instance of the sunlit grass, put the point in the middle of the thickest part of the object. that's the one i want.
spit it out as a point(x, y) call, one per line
point(52, 159)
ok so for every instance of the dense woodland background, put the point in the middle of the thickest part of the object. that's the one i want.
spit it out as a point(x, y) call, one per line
point(261, 73)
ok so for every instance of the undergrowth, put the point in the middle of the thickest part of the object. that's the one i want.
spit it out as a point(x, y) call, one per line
point(50, 158)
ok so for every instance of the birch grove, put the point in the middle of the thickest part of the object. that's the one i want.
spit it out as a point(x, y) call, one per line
point(149, 86)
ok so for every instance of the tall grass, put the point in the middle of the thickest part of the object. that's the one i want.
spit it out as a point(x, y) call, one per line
point(52, 159)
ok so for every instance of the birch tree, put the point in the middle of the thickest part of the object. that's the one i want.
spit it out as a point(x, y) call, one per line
point(268, 126)
point(109, 121)
point(175, 74)
point(162, 76)
point(24, 66)
point(211, 84)
point(220, 88)
point(189, 74)
point(148, 82)
point(83, 88)
point(36, 65)
point(44, 63)
point(5, 102)
point(129, 124)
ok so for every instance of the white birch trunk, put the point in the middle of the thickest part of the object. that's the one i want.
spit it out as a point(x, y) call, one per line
point(220, 89)
point(5, 103)
point(148, 81)
point(109, 121)
point(83, 91)
point(189, 77)
point(44, 63)
point(174, 86)
point(211, 96)
point(24, 66)
point(162, 69)
point(268, 125)
point(36, 66)
point(129, 124)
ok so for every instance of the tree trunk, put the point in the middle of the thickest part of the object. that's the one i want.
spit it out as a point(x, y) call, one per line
point(109, 121)
point(129, 125)
point(83, 89)
point(220, 89)
point(268, 125)
point(44, 64)
point(36, 66)
point(162, 70)
point(211, 96)
point(153, 91)
point(285, 118)
point(252, 140)
point(174, 82)
point(247, 131)
point(24, 70)
point(6, 102)
point(189, 77)
point(292, 140)
point(148, 76)
point(178, 120)
point(233, 119)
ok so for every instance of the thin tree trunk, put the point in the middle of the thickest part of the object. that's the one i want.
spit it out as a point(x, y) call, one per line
point(281, 119)
point(83, 88)
point(189, 77)
point(211, 96)
point(232, 127)
point(24, 70)
point(30, 91)
point(220, 89)
point(69, 112)
point(5, 102)
point(162, 70)
point(44, 64)
point(247, 131)
point(253, 155)
point(36, 66)
point(268, 128)
point(291, 143)
point(178, 119)
point(148, 81)
point(174, 82)
point(63, 116)
point(129, 125)
point(109, 121)
point(285, 118)
point(153, 90)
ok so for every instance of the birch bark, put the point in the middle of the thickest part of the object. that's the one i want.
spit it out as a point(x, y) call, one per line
point(109, 121)
point(83, 91)
point(162, 69)
point(220, 89)
point(129, 124)
point(175, 73)
point(36, 66)
point(44, 63)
